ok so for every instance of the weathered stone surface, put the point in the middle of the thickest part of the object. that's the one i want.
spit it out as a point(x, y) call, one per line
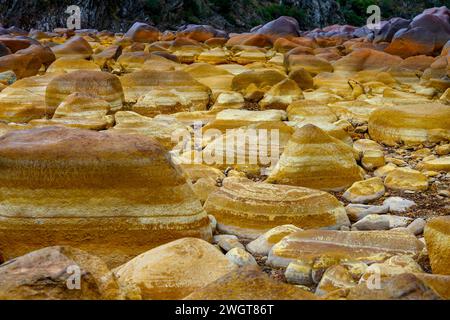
point(314, 159)
point(398, 204)
point(248, 209)
point(372, 159)
point(47, 274)
point(381, 222)
point(255, 83)
point(439, 164)
point(335, 278)
point(102, 84)
point(142, 32)
point(174, 270)
point(161, 102)
point(365, 246)
point(240, 257)
point(76, 47)
point(265, 242)
point(69, 64)
point(439, 283)
point(249, 283)
point(140, 82)
point(411, 124)
point(356, 212)
point(437, 237)
point(391, 267)
point(383, 171)
point(114, 195)
point(406, 179)
point(365, 191)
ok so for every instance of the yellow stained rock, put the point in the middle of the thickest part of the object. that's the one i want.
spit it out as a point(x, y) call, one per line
point(101, 84)
point(265, 242)
point(139, 83)
point(76, 47)
point(439, 164)
point(316, 160)
point(411, 124)
point(174, 270)
point(249, 283)
point(69, 64)
point(281, 95)
point(365, 191)
point(111, 194)
point(437, 238)
point(372, 159)
point(310, 111)
point(249, 209)
point(157, 102)
point(406, 179)
point(365, 246)
point(128, 122)
point(335, 278)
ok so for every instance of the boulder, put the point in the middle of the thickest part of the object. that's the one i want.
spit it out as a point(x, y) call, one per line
point(406, 179)
point(437, 238)
point(115, 195)
point(142, 32)
point(174, 270)
point(249, 209)
point(75, 47)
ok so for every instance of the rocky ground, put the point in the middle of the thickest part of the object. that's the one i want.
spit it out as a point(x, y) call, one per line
point(119, 178)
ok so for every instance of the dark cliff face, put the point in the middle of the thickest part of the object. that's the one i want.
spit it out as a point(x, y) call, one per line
point(231, 15)
point(118, 15)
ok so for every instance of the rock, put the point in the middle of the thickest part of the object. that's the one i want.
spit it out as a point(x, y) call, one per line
point(443, 149)
point(312, 64)
point(439, 164)
point(142, 32)
point(200, 32)
point(249, 283)
point(265, 242)
point(128, 122)
point(383, 171)
point(298, 272)
point(365, 191)
point(237, 208)
point(203, 187)
point(100, 192)
point(240, 257)
point(138, 83)
point(228, 100)
point(69, 64)
point(365, 246)
point(406, 179)
point(23, 65)
point(174, 270)
point(365, 59)
point(49, 274)
point(101, 84)
point(334, 166)
point(355, 268)
point(356, 212)
point(308, 111)
point(282, 26)
point(255, 83)
point(302, 77)
point(161, 102)
point(393, 266)
point(24, 100)
point(228, 242)
point(400, 287)
point(437, 237)
point(439, 283)
point(387, 32)
point(372, 159)
point(335, 278)
point(398, 204)
point(411, 124)
point(75, 47)
point(7, 78)
point(417, 226)
point(281, 95)
point(363, 145)
point(212, 222)
point(382, 222)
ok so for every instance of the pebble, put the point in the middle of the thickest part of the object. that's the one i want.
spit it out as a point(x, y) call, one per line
point(227, 242)
point(382, 222)
point(398, 204)
point(356, 212)
point(416, 227)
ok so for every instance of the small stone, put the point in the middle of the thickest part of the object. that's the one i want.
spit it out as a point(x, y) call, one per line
point(430, 174)
point(336, 277)
point(356, 212)
point(240, 257)
point(416, 227)
point(365, 191)
point(391, 267)
point(406, 179)
point(228, 242)
point(266, 241)
point(234, 173)
point(397, 162)
point(7, 77)
point(444, 193)
point(384, 170)
point(372, 159)
point(398, 204)
point(361, 129)
point(355, 268)
point(382, 222)
point(421, 153)
point(439, 164)
point(363, 145)
point(299, 272)
point(443, 149)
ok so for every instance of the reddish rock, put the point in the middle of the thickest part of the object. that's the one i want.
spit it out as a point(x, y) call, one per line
point(142, 32)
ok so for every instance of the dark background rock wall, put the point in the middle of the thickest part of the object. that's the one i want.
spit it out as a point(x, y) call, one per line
point(232, 15)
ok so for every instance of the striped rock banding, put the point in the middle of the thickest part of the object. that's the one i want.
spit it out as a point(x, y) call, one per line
point(248, 209)
point(102, 84)
point(410, 124)
point(113, 195)
point(314, 159)
point(365, 246)
point(140, 82)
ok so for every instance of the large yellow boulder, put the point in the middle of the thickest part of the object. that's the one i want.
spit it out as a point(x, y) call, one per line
point(437, 238)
